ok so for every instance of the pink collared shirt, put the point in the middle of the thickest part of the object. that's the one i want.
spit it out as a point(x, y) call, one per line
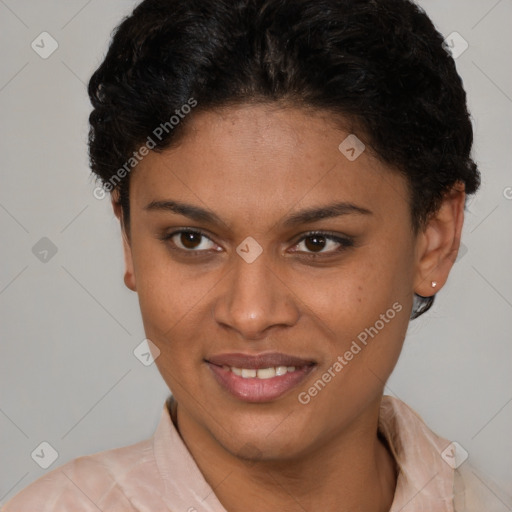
point(160, 475)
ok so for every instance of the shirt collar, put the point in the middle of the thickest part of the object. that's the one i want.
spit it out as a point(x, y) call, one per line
point(425, 480)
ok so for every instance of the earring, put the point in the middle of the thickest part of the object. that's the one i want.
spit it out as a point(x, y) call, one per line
point(434, 284)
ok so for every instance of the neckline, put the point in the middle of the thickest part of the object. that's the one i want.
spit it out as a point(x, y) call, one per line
point(414, 448)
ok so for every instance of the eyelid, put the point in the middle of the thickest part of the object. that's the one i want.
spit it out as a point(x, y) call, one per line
point(343, 240)
point(167, 238)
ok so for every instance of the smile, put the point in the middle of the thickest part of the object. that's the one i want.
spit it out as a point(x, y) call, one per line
point(261, 373)
point(261, 378)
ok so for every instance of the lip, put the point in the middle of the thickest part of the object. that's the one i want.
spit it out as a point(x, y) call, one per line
point(253, 362)
point(258, 390)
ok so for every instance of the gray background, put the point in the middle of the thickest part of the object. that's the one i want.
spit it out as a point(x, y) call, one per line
point(69, 326)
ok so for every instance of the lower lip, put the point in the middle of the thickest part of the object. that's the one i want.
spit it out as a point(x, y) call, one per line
point(259, 390)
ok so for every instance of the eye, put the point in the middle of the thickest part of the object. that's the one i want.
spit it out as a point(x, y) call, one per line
point(322, 243)
point(190, 241)
point(312, 244)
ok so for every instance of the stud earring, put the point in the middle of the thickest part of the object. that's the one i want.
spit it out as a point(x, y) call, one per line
point(434, 284)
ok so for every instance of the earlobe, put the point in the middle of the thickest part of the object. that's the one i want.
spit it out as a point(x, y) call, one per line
point(438, 243)
point(129, 273)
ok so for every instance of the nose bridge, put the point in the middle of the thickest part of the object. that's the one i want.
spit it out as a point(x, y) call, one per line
point(254, 298)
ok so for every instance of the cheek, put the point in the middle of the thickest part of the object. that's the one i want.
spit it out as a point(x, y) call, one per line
point(364, 319)
point(363, 308)
point(170, 305)
point(353, 295)
point(168, 294)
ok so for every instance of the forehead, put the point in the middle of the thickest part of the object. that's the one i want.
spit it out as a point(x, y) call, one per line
point(264, 160)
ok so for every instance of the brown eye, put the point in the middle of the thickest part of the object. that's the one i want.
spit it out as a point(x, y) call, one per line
point(315, 243)
point(191, 241)
point(323, 243)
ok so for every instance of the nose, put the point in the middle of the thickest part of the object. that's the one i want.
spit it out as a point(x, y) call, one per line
point(254, 299)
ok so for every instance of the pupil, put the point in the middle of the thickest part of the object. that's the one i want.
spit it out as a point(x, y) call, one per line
point(318, 243)
point(188, 239)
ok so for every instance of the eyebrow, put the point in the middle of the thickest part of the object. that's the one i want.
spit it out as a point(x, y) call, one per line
point(302, 217)
point(325, 212)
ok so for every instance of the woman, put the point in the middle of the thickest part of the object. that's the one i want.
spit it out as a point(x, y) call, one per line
point(290, 179)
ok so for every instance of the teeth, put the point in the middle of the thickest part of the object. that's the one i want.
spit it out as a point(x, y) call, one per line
point(261, 373)
point(266, 373)
point(281, 370)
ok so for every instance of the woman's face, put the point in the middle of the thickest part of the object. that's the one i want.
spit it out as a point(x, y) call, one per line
point(269, 272)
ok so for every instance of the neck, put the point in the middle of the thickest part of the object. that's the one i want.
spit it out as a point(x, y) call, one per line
point(354, 471)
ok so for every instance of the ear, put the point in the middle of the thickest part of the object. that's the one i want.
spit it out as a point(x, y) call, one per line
point(438, 244)
point(129, 274)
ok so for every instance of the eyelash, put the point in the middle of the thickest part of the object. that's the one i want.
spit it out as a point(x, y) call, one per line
point(344, 242)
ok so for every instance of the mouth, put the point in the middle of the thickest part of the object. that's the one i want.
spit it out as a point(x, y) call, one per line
point(260, 378)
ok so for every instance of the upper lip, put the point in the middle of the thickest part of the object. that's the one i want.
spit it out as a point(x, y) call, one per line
point(248, 361)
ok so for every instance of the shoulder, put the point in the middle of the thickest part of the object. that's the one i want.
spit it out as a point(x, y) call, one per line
point(424, 456)
point(89, 483)
point(475, 491)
